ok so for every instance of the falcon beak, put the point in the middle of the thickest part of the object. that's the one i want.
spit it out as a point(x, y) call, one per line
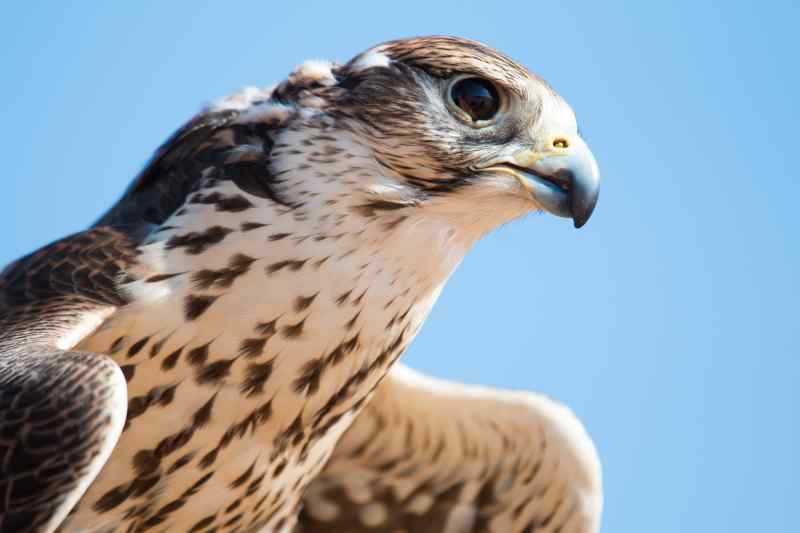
point(564, 180)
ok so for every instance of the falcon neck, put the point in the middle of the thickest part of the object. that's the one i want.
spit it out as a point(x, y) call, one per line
point(243, 309)
point(320, 275)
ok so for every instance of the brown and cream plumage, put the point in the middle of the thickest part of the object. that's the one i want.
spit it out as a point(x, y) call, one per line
point(216, 353)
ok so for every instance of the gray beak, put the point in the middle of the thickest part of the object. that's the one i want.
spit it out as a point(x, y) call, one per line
point(565, 182)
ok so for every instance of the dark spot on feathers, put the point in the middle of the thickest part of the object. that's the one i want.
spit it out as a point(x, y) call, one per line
point(336, 355)
point(214, 372)
point(197, 304)
point(320, 262)
point(233, 520)
point(279, 469)
point(161, 277)
point(241, 262)
point(142, 485)
point(136, 406)
point(167, 395)
point(159, 395)
point(370, 209)
point(209, 458)
point(197, 242)
point(292, 264)
point(405, 313)
point(170, 508)
point(153, 521)
point(137, 346)
point(234, 204)
point(155, 349)
point(204, 523)
point(181, 462)
point(267, 329)
point(241, 480)
point(345, 348)
point(250, 226)
point(294, 330)
point(253, 347)
point(206, 278)
point(309, 379)
point(342, 299)
point(173, 442)
point(250, 423)
point(278, 236)
point(145, 462)
point(194, 489)
point(171, 360)
point(347, 390)
point(128, 371)
point(202, 416)
point(113, 498)
point(359, 298)
point(256, 377)
point(254, 485)
point(199, 355)
point(302, 303)
point(223, 277)
point(352, 322)
point(232, 507)
point(293, 433)
point(259, 514)
point(117, 345)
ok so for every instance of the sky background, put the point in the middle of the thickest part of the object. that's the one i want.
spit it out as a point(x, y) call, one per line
point(669, 323)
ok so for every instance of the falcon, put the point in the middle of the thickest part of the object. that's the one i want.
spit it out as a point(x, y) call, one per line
point(218, 352)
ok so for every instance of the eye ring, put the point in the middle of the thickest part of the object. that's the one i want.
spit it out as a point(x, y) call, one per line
point(475, 100)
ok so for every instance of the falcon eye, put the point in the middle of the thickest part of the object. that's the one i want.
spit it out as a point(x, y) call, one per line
point(476, 97)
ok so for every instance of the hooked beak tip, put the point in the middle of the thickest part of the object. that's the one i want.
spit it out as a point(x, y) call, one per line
point(581, 205)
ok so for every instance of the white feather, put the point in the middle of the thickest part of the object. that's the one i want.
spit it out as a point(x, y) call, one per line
point(315, 70)
point(241, 100)
point(266, 112)
point(370, 59)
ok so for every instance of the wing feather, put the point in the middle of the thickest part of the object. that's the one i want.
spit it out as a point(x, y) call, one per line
point(61, 411)
point(431, 456)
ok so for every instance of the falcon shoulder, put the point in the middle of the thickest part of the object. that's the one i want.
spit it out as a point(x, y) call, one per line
point(430, 456)
point(221, 143)
point(62, 411)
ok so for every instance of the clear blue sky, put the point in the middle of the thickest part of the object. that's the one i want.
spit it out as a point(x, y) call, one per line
point(669, 323)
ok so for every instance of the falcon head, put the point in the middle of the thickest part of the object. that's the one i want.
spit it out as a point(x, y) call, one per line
point(444, 128)
point(444, 114)
point(456, 128)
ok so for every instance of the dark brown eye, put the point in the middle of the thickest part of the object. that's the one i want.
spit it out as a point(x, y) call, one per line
point(476, 97)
